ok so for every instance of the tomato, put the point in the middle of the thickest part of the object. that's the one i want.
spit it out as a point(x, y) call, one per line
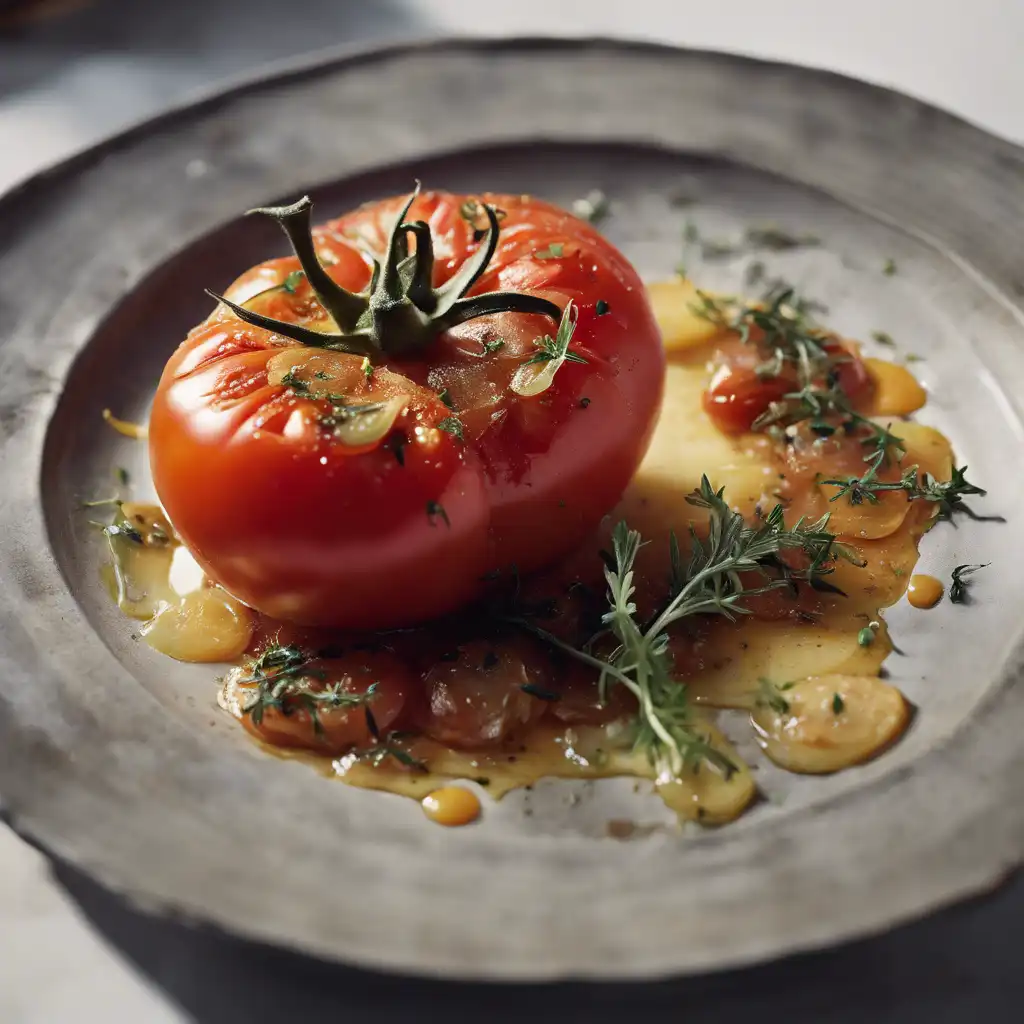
point(324, 488)
point(476, 696)
point(738, 395)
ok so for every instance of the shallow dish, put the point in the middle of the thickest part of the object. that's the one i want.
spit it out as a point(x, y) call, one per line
point(121, 763)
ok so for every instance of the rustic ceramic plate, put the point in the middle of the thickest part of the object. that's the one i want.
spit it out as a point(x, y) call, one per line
point(118, 760)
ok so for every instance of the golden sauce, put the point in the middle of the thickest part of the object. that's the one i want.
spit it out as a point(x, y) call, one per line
point(897, 392)
point(805, 675)
point(452, 806)
point(924, 591)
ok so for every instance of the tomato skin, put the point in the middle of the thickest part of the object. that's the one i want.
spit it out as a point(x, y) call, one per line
point(737, 396)
point(306, 529)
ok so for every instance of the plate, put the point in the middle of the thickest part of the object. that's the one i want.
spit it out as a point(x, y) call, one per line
point(118, 761)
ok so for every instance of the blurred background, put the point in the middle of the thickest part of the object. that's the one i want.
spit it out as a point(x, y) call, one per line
point(72, 71)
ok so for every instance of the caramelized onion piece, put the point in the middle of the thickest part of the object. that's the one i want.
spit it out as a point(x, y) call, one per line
point(826, 723)
point(206, 625)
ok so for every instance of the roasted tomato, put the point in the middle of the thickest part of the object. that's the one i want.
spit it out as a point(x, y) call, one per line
point(737, 395)
point(358, 434)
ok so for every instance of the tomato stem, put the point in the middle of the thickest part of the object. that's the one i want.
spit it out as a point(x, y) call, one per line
point(401, 311)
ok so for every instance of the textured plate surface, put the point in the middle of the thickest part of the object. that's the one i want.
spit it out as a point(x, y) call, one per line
point(117, 759)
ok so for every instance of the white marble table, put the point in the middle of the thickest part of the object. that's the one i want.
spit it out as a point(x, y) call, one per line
point(69, 952)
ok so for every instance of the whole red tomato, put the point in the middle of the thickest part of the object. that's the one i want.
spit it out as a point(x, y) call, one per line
point(433, 389)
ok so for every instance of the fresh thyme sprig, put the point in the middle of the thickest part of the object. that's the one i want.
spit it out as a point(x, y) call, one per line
point(285, 681)
point(713, 581)
point(948, 495)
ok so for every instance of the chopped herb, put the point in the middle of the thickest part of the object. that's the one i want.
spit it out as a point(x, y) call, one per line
point(291, 283)
point(889, 267)
point(774, 239)
point(553, 252)
point(367, 367)
point(446, 398)
point(321, 375)
point(838, 704)
point(435, 509)
point(593, 207)
point(883, 338)
point(601, 307)
point(958, 591)
point(386, 747)
point(397, 446)
point(452, 425)
point(755, 273)
point(493, 346)
point(285, 682)
point(866, 637)
point(289, 380)
point(539, 693)
point(584, 402)
point(771, 696)
point(122, 476)
point(897, 571)
point(910, 357)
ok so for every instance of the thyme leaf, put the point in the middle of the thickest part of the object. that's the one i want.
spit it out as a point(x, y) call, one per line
point(285, 681)
point(958, 590)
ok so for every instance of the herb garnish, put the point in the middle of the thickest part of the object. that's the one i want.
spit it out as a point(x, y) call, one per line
point(552, 352)
point(554, 251)
point(958, 591)
point(285, 682)
point(435, 509)
point(601, 308)
point(771, 696)
point(452, 425)
point(493, 346)
point(948, 495)
point(709, 583)
point(838, 704)
point(446, 398)
point(539, 693)
point(291, 283)
point(889, 267)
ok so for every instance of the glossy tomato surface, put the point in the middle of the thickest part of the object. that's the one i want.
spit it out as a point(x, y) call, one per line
point(309, 521)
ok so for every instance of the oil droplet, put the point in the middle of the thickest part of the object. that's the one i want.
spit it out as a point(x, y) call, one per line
point(452, 806)
point(924, 591)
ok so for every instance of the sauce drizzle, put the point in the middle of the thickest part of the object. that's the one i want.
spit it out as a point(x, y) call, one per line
point(452, 806)
point(924, 591)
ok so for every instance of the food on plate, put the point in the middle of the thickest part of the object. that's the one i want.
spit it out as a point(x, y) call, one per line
point(457, 498)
